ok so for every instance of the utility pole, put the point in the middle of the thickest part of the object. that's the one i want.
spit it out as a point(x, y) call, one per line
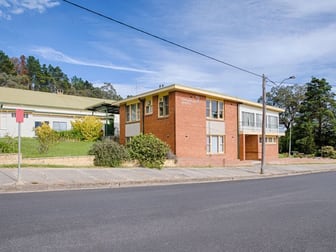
point(263, 129)
point(290, 140)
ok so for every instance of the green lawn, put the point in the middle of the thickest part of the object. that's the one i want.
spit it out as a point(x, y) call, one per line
point(29, 148)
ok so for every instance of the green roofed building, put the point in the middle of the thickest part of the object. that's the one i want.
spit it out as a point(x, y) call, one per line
point(57, 109)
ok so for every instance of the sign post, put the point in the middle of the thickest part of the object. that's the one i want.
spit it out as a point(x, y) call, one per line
point(19, 120)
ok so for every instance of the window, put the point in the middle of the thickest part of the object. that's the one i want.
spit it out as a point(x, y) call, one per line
point(164, 105)
point(25, 115)
point(269, 140)
point(248, 119)
point(149, 106)
point(59, 126)
point(259, 120)
point(272, 122)
point(132, 112)
point(39, 123)
point(214, 109)
point(215, 144)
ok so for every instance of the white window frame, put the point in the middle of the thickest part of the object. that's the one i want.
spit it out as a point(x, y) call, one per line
point(60, 126)
point(163, 106)
point(214, 109)
point(133, 112)
point(215, 144)
point(248, 119)
point(148, 106)
point(258, 120)
point(269, 140)
point(272, 122)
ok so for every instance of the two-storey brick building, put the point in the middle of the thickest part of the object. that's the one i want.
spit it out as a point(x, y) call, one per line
point(202, 128)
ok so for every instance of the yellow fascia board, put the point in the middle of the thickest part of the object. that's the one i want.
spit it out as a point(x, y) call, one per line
point(196, 91)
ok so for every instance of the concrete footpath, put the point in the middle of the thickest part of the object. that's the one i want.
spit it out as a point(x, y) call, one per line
point(44, 179)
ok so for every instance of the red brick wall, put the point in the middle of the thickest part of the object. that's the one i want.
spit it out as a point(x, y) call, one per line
point(231, 130)
point(190, 125)
point(272, 151)
point(162, 127)
point(252, 148)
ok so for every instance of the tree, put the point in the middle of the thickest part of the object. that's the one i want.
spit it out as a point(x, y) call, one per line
point(34, 73)
point(6, 65)
point(28, 73)
point(109, 92)
point(317, 115)
point(20, 65)
point(23, 66)
point(288, 98)
point(58, 79)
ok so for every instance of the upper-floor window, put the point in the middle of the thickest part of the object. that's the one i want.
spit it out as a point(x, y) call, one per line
point(272, 122)
point(148, 106)
point(258, 120)
point(164, 105)
point(133, 112)
point(248, 119)
point(214, 109)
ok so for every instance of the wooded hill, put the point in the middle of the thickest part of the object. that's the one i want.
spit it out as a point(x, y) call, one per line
point(28, 73)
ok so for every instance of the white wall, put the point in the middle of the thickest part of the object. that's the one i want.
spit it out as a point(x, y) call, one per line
point(8, 125)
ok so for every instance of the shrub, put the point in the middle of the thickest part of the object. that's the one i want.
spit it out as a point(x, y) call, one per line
point(89, 128)
point(69, 135)
point(328, 151)
point(108, 153)
point(8, 145)
point(46, 136)
point(149, 150)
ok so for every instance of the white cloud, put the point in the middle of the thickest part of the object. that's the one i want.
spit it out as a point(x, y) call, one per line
point(302, 8)
point(279, 38)
point(17, 7)
point(51, 54)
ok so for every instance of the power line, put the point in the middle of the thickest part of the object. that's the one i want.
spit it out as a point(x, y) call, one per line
point(162, 39)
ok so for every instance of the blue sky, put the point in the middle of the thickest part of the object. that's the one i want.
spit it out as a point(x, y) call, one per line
point(278, 38)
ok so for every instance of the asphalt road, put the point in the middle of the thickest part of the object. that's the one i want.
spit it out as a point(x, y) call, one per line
point(295, 213)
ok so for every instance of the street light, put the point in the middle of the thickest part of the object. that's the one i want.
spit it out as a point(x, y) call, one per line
point(290, 123)
point(263, 129)
point(289, 78)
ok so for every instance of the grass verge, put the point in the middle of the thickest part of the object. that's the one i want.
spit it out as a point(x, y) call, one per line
point(29, 149)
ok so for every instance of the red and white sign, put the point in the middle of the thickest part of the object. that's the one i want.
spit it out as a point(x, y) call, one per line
point(19, 115)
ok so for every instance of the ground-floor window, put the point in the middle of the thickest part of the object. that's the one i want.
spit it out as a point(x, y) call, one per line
point(269, 140)
point(215, 144)
point(25, 115)
point(59, 126)
point(39, 123)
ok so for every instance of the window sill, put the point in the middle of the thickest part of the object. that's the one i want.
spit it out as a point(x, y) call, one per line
point(163, 117)
point(214, 119)
point(130, 122)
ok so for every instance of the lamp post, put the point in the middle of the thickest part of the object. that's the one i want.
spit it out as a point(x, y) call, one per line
point(263, 129)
